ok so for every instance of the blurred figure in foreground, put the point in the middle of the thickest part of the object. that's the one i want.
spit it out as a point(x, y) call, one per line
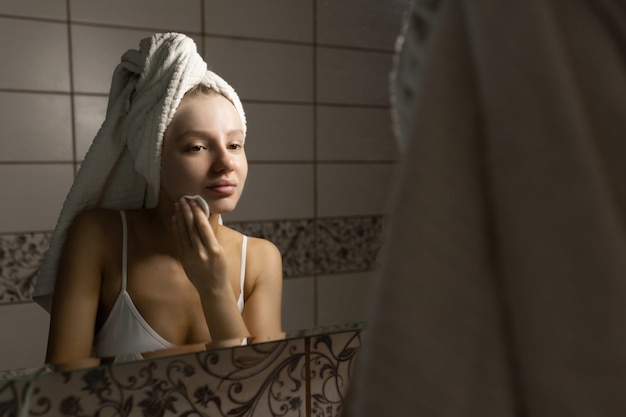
point(503, 286)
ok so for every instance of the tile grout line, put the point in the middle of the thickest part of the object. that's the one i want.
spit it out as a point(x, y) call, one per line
point(307, 370)
point(316, 247)
point(71, 76)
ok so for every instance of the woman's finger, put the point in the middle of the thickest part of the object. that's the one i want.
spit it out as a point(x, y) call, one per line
point(180, 229)
point(192, 213)
point(204, 229)
point(187, 214)
point(209, 237)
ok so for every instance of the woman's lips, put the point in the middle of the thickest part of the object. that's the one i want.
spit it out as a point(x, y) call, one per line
point(223, 188)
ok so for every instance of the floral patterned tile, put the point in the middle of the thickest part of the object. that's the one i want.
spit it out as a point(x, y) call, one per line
point(325, 246)
point(263, 379)
point(307, 376)
point(14, 396)
point(333, 358)
point(348, 244)
point(308, 248)
point(20, 256)
point(294, 239)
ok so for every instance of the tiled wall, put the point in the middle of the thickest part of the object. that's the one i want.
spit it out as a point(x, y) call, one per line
point(313, 77)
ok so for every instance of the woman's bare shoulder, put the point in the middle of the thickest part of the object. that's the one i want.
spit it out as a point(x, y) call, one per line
point(101, 221)
point(90, 245)
point(97, 229)
point(256, 246)
point(262, 247)
point(264, 259)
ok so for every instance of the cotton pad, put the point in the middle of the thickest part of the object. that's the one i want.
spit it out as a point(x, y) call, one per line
point(200, 201)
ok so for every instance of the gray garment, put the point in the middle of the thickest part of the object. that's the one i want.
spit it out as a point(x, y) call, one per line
point(503, 286)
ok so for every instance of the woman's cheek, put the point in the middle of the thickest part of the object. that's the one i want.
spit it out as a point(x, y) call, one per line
point(175, 181)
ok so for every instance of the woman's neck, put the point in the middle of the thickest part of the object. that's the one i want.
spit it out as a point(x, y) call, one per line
point(161, 217)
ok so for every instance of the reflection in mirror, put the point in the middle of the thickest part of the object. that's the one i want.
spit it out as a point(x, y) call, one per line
point(139, 260)
point(315, 84)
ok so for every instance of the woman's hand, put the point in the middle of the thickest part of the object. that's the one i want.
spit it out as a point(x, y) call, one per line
point(201, 255)
point(204, 261)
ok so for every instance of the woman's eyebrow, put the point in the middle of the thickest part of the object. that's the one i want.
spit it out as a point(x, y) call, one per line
point(205, 134)
point(194, 133)
point(233, 132)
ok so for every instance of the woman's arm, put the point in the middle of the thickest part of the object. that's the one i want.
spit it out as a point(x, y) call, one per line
point(205, 263)
point(77, 293)
point(262, 311)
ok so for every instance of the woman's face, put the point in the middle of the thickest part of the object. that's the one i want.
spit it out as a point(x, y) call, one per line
point(203, 153)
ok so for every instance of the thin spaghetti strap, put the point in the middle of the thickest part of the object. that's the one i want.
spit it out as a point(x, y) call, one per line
point(242, 278)
point(124, 250)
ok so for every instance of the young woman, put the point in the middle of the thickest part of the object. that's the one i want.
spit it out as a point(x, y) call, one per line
point(133, 281)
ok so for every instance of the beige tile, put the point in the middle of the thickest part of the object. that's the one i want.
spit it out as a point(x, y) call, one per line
point(263, 70)
point(298, 304)
point(161, 15)
point(23, 335)
point(89, 113)
point(49, 9)
point(36, 127)
point(33, 195)
point(276, 191)
point(272, 19)
point(96, 52)
point(278, 132)
point(360, 23)
point(353, 77)
point(355, 134)
point(353, 189)
point(343, 298)
point(34, 55)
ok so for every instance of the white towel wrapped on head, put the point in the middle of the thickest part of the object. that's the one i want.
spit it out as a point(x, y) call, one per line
point(122, 168)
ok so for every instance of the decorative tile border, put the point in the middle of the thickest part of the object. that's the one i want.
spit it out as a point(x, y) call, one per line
point(309, 247)
point(262, 379)
point(307, 376)
point(14, 396)
point(348, 244)
point(332, 360)
point(20, 256)
point(294, 238)
point(325, 246)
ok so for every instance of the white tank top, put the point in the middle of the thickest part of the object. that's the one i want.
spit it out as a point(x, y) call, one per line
point(125, 333)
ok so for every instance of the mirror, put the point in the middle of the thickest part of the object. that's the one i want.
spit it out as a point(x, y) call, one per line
point(313, 77)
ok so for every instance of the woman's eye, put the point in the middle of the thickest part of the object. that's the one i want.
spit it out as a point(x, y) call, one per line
point(235, 146)
point(196, 148)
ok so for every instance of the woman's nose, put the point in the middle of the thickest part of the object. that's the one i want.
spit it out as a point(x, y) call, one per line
point(223, 161)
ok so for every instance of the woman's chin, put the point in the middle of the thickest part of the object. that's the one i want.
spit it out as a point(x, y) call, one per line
point(221, 208)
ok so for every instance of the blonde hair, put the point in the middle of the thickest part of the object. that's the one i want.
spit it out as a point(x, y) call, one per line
point(200, 90)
